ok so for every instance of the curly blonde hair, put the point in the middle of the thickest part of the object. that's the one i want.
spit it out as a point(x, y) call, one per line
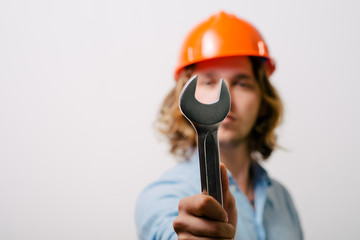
point(182, 136)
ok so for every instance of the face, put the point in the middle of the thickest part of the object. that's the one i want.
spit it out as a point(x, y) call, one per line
point(244, 90)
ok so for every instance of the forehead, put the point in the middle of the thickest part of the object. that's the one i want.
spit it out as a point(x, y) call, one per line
point(236, 63)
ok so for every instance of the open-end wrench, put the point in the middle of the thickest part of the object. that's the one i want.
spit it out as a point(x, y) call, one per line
point(206, 119)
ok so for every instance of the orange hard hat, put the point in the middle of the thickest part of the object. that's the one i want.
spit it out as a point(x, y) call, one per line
point(222, 35)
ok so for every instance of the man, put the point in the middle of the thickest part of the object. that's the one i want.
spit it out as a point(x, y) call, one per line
point(255, 206)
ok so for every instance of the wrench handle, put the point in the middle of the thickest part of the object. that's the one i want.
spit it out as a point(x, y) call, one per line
point(209, 161)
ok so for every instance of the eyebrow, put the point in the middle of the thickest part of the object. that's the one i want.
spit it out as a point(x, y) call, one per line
point(242, 76)
point(209, 74)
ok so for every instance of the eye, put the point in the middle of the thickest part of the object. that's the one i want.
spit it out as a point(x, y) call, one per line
point(242, 83)
point(208, 82)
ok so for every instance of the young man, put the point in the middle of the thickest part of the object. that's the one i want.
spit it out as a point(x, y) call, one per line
point(255, 206)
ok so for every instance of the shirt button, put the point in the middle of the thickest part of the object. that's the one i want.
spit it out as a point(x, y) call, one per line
point(233, 188)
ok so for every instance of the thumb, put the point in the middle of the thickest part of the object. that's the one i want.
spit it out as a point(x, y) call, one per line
point(228, 199)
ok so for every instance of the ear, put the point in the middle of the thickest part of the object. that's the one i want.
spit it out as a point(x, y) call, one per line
point(269, 67)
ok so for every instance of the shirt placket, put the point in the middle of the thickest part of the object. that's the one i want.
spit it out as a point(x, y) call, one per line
point(256, 214)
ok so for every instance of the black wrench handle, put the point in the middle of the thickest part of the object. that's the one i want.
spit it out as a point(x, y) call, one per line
point(209, 160)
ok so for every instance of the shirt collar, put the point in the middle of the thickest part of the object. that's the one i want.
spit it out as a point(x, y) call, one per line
point(260, 173)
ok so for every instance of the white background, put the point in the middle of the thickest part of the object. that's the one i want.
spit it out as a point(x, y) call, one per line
point(81, 83)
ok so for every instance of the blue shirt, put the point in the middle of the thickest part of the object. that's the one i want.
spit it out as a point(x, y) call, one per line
point(274, 216)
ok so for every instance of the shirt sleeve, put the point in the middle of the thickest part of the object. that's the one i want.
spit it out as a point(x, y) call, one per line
point(157, 205)
point(293, 213)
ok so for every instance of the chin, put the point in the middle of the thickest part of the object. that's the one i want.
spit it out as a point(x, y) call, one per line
point(229, 138)
point(228, 134)
point(226, 140)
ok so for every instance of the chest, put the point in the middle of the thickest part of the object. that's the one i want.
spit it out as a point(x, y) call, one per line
point(268, 221)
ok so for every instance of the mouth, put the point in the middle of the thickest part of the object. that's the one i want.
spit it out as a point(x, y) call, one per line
point(229, 118)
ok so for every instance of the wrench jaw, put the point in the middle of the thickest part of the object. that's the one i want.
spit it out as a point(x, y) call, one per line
point(206, 119)
point(204, 114)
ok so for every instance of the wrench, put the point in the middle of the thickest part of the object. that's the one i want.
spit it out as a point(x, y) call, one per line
point(206, 119)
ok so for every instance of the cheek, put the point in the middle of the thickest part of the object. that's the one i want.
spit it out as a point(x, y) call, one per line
point(249, 104)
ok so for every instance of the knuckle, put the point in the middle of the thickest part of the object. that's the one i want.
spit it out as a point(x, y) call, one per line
point(231, 230)
point(225, 230)
point(178, 224)
point(217, 228)
point(220, 230)
point(204, 201)
point(182, 205)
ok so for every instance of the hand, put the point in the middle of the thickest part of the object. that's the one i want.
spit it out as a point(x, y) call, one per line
point(202, 217)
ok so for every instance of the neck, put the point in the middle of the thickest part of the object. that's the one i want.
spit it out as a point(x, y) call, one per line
point(237, 159)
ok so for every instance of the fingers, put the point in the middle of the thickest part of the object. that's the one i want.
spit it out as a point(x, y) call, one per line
point(187, 236)
point(203, 205)
point(224, 178)
point(202, 217)
point(188, 225)
point(228, 198)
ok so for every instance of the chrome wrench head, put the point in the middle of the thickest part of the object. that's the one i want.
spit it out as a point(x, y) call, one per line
point(206, 119)
point(204, 114)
